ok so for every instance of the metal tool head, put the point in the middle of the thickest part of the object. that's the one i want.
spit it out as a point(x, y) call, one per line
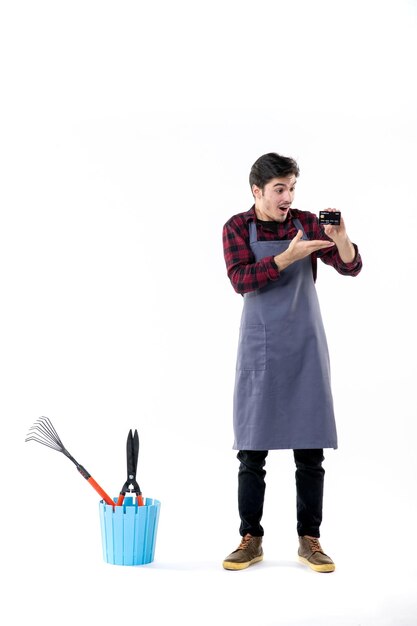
point(132, 454)
point(43, 431)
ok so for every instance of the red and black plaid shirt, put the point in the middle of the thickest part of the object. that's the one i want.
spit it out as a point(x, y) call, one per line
point(247, 275)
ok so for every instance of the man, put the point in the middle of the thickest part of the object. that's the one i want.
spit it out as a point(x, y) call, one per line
point(282, 397)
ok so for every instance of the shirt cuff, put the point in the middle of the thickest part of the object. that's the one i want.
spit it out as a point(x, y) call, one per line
point(352, 264)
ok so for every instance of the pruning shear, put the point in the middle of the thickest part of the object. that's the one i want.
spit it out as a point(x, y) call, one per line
point(131, 485)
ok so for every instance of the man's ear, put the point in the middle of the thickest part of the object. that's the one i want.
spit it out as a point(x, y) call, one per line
point(256, 191)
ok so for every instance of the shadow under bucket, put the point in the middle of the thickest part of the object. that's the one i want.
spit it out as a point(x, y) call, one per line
point(128, 532)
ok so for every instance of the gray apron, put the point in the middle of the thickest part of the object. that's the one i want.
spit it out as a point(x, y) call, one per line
point(282, 396)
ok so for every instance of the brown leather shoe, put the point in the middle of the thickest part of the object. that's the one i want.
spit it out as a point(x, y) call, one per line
point(310, 553)
point(249, 552)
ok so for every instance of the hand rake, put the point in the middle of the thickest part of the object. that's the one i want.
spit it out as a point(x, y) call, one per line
point(43, 432)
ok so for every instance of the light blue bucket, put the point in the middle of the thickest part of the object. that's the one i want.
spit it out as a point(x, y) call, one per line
point(128, 532)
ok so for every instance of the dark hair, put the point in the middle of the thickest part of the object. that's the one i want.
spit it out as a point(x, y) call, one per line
point(269, 166)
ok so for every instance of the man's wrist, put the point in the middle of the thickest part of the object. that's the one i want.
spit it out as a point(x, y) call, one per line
point(282, 261)
point(346, 249)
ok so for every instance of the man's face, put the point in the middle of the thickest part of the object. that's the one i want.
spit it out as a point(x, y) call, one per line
point(273, 202)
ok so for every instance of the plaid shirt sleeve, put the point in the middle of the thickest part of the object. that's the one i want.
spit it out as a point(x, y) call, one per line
point(244, 272)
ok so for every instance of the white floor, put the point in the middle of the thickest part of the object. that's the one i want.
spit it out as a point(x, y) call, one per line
point(56, 573)
point(62, 586)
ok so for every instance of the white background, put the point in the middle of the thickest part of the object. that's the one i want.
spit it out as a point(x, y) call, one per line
point(128, 130)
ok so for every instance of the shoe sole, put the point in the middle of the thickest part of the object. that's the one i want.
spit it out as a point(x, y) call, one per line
point(237, 566)
point(326, 568)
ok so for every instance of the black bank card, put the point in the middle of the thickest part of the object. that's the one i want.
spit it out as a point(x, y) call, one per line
point(329, 217)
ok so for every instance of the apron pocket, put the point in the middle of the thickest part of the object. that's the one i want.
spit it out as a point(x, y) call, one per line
point(252, 347)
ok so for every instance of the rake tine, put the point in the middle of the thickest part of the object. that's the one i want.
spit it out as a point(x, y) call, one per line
point(42, 431)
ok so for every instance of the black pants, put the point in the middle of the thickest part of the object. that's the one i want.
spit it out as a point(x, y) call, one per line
point(309, 480)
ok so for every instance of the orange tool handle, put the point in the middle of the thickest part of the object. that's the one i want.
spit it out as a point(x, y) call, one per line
point(121, 498)
point(99, 490)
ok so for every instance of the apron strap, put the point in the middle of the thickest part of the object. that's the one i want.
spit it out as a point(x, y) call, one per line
point(298, 226)
point(253, 236)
